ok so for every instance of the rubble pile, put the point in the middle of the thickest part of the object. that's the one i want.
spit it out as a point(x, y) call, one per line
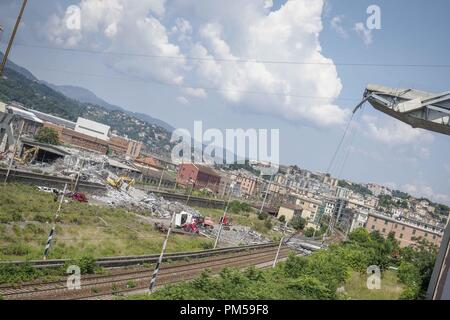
point(238, 235)
point(138, 200)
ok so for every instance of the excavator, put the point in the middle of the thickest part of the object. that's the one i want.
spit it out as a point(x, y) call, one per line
point(119, 182)
point(28, 155)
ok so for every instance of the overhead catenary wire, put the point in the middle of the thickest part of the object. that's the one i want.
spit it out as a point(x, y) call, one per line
point(234, 60)
point(333, 158)
point(188, 86)
point(352, 136)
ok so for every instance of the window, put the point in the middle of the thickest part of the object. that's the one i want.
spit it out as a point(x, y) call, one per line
point(403, 227)
point(401, 235)
point(434, 236)
point(375, 219)
point(426, 234)
point(384, 230)
point(373, 227)
point(414, 231)
point(385, 222)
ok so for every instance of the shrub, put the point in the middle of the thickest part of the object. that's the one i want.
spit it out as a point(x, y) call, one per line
point(309, 232)
point(47, 135)
point(206, 245)
point(268, 224)
point(282, 219)
point(298, 223)
point(238, 207)
point(308, 287)
point(16, 249)
point(19, 273)
point(87, 264)
point(408, 274)
point(263, 216)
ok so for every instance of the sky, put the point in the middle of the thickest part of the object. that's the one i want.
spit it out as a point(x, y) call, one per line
point(176, 60)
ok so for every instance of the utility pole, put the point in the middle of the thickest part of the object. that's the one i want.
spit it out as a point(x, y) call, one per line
point(11, 39)
point(279, 246)
point(158, 264)
point(223, 217)
point(14, 152)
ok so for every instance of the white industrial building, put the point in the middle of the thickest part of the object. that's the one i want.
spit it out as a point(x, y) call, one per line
point(92, 128)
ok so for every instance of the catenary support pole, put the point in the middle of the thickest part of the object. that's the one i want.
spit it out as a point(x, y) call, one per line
point(158, 264)
point(52, 231)
point(223, 220)
point(279, 246)
point(265, 195)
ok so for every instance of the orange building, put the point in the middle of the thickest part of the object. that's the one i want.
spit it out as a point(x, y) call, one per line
point(407, 232)
point(198, 176)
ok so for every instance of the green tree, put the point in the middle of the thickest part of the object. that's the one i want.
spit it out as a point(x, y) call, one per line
point(298, 223)
point(309, 232)
point(47, 135)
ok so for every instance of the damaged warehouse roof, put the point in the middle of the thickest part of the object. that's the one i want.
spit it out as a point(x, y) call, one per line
point(120, 165)
point(45, 146)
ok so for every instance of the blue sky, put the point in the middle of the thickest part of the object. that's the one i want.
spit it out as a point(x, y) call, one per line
point(313, 113)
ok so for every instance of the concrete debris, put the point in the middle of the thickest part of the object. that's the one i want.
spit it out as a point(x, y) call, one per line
point(139, 201)
point(237, 235)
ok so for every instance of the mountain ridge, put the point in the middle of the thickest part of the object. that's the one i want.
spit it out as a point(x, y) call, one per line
point(84, 95)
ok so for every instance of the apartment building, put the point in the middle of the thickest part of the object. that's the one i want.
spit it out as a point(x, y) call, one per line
point(406, 231)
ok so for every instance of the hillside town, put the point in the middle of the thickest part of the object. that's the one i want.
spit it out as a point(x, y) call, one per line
point(328, 205)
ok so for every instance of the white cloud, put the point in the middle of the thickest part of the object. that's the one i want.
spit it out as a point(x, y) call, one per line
point(288, 34)
point(268, 4)
point(182, 100)
point(336, 24)
point(421, 190)
point(394, 132)
point(364, 33)
point(297, 92)
point(195, 92)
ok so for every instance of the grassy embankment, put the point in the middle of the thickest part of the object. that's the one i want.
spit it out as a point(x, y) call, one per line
point(391, 288)
point(83, 229)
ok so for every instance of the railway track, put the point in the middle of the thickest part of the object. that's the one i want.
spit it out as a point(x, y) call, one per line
point(124, 261)
point(127, 280)
point(50, 180)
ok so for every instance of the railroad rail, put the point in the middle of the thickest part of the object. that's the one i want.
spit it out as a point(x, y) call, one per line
point(121, 281)
point(50, 180)
point(125, 261)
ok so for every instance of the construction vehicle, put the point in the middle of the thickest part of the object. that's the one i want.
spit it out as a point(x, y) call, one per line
point(79, 196)
point(208, 223)
point(119, 182)
point(28, 155)
point(187, 221)
point(191, 227)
